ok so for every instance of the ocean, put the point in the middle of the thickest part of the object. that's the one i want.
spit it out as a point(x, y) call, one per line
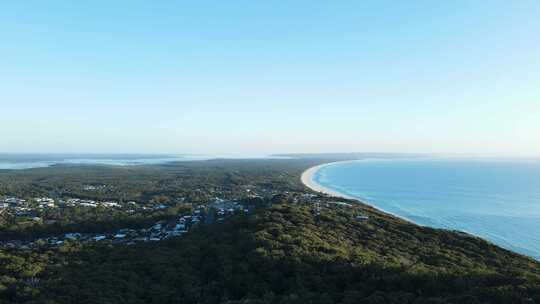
point(498, 200)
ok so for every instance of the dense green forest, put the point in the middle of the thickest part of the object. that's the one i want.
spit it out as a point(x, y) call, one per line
point(282, 252)
point(193, 181)
point(281, 255)
point(174, 185)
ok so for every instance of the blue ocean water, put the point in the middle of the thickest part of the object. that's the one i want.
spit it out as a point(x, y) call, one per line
point(498, 200)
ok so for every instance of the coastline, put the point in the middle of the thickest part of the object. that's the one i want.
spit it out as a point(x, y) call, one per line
point(307, 180)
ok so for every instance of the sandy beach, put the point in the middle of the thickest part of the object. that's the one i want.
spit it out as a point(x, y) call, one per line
point(307, 180)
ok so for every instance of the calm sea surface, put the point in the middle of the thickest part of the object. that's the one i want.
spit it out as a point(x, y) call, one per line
point(498, 200)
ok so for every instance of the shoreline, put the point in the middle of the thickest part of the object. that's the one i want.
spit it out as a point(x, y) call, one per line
point(307, 179)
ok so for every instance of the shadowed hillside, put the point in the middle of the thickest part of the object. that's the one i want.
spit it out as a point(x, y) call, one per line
point(286, 255)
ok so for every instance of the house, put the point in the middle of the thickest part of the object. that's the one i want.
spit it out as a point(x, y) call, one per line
point(72, 236)
point(362, 217)
point(341, 204)
point(110, 204)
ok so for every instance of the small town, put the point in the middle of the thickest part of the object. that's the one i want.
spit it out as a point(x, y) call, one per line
point(213, 212)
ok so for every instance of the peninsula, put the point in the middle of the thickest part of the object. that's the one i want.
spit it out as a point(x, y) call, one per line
point(236, 231)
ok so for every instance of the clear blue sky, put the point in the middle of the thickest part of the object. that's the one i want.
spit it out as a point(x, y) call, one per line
point(270, 76)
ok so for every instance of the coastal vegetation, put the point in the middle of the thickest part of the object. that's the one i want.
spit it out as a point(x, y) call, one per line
point(294, 247)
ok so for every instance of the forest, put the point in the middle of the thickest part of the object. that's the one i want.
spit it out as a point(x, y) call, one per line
point(286, 251)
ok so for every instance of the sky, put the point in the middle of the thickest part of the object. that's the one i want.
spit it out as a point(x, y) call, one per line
point(270, 76)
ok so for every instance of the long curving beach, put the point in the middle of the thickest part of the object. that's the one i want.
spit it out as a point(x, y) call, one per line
point(417, 191)
point(307, 180)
